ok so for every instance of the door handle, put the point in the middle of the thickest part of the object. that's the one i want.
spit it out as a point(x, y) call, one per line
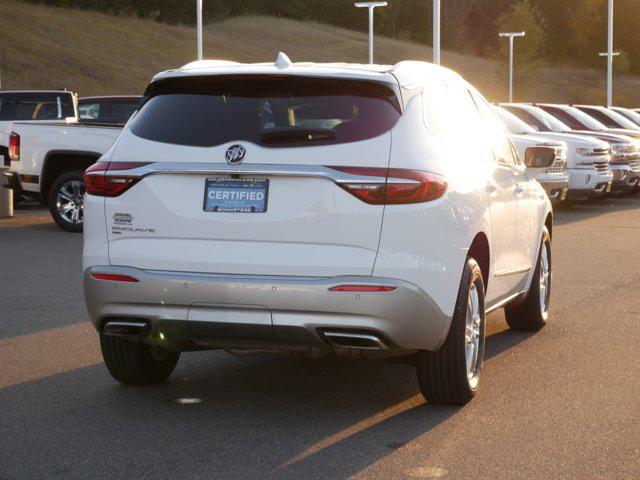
point(518, 190)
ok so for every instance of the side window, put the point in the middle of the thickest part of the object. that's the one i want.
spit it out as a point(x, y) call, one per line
point(449, 110)
point(601, 117)
point(565, 118)
point(496, 133)
point(89, 111)
point(436, 111)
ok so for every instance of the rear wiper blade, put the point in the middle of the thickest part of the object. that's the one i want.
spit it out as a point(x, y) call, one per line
point(296, 134)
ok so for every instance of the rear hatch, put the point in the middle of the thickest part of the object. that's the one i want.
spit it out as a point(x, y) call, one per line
point(263, 175)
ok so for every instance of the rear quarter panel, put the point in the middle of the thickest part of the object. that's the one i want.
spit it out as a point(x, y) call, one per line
point(427, 244)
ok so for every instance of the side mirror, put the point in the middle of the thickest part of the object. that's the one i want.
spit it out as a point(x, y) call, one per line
point(539, 158)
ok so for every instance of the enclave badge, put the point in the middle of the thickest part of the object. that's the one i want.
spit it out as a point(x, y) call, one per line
point(235, 154)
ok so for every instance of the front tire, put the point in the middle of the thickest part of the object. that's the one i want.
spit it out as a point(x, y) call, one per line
point(134, 363)
point(451, 375)
point(66, 201)
point(531, 314)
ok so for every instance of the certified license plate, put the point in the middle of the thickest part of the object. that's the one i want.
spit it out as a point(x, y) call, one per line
point(608, 187)
point(245, 195)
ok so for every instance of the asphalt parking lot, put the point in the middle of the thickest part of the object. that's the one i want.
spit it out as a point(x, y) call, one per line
point(562, 403)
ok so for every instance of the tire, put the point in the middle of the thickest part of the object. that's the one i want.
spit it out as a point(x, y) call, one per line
point(443, 376)
point(68, 193)
point(532, 313)
point(134, 363)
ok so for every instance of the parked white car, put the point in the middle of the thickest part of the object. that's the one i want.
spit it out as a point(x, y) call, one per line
point(366, 210)
point(588, 161)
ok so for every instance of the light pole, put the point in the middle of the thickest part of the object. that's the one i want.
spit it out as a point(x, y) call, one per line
point(610, 54)
point(370, 6)
point(199, 26)
point(436, 32)
point(511, 36)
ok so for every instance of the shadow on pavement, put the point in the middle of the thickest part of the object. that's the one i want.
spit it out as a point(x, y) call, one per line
point(259, 416)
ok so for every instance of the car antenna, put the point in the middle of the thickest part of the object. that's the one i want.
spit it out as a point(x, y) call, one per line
point(283, 61)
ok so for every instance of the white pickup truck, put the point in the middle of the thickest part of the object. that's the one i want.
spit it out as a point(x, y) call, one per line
point(48, 160)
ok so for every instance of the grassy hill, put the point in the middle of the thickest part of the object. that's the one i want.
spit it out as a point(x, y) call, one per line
point(93, 53)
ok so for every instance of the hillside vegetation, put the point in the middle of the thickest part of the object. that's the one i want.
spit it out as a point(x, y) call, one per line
point(95, 53)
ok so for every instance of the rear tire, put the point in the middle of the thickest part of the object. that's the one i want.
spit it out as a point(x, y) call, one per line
point(531, 314)
point(66, 201)
point(451, 375)
point(134, 363)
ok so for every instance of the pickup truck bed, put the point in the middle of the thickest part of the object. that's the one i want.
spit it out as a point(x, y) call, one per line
point(51, 164)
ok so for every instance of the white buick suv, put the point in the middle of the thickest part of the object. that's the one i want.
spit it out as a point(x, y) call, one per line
point(365, 210)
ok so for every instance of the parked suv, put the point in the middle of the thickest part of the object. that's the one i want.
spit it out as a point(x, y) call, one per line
point(370, 211)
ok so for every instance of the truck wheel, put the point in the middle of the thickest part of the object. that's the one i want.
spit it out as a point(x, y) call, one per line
point(450, 376)
point(531, 314)
point(134, 363)
point(66, 201)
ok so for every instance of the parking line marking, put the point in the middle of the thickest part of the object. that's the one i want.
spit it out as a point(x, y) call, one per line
point(42, 354)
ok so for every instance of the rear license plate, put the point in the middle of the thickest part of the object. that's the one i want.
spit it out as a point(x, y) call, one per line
point(244, 195)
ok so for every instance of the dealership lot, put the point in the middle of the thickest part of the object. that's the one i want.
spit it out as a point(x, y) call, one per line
point(559, 404)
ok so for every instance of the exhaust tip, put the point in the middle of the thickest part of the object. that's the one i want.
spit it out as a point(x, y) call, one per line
point(124, 328)
point(355, 340)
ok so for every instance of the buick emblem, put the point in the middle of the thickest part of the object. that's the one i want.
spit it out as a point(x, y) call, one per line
point(235, 154)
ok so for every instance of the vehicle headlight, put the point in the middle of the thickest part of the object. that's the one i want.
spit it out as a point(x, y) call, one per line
point(586, 156)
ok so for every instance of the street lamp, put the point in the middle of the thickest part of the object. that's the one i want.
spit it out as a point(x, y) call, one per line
point(436, 32)
point(370, 6)
point(199, 26)
point(610, 54)
point(511, 36)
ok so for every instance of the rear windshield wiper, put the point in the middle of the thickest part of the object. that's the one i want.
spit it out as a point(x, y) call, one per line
point(296, 134)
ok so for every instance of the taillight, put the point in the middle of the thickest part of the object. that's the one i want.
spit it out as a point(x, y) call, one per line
point(14, 147)
point(105, 180)
point(396, 186)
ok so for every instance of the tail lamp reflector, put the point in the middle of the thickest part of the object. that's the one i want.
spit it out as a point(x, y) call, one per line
point(14, 147)
point(397, 186)
point(362, 288)
point(114, 278)
point(102, 180)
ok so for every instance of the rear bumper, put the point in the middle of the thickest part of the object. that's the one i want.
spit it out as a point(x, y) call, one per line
point(258, 311)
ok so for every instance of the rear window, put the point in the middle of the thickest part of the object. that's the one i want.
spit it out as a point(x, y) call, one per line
point(267, 110)
point(36, 106)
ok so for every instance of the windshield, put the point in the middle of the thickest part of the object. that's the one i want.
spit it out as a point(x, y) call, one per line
point(537, 117)
point(513, 123)
point(270, 110)
point(587, 120)
point(630, 114)
point(16, 106)
point(617, 120)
